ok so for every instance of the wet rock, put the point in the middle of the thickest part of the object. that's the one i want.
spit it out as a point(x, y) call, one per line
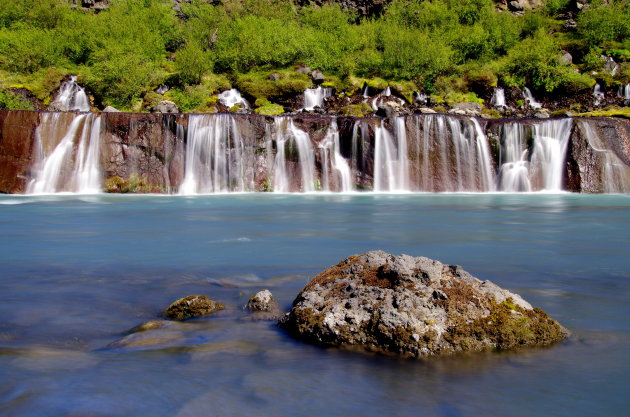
point(317, 77)
point(165, 106)
point(192, 306)
point(149, 325)
point(466, 109)
point(157, 338)
point(110, 109)
point(426, 110)
point(542, 114)
point(414, 307)
point(264, 306)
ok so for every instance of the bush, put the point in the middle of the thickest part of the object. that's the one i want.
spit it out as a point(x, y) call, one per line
point(11, 101)
point(534, 63)
point(259, 84)
point(605, 21)
point(192, 62)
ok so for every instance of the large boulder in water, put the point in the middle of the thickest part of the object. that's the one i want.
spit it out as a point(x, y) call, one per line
point(414, 307)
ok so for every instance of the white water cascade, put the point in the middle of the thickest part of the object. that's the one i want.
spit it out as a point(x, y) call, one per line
point(229, 98)
point(530, 100)
point(598, 95)
point(216, 159)
point(391, 161)
point(498, 98)
point(539, 164)
point(330, 150)
point(72, 163)
point(71, 97)
point(314, 97)
point(290, 137)
point(624, 92)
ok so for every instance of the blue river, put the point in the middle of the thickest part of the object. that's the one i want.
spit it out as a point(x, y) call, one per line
point(77, 272)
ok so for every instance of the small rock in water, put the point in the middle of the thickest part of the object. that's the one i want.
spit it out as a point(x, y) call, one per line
point(264, 306)
point(149, 325)
point(192, 306)
point(414, 307)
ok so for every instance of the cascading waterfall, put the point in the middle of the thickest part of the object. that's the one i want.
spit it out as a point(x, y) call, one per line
point(290, 137)
point(514, 171)
point(71, 97)
point(219, 153)
point(624, 92)
point(314, 97)
point(535, 166)
point(550, 148)
point(215, 156)
point(63, 169)
point(229, 98)
point(615, 173)
point(530, 100)
point(498, 98)
point(598, 95)
point(391, 163)
point(331, 156)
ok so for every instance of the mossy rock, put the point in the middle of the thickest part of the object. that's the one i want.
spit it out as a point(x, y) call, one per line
point(135, 184)
point(192, 306)
point(357, 110)
point(623, 112)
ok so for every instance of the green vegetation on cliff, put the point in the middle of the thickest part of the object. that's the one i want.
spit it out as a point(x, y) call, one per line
point(440, 47)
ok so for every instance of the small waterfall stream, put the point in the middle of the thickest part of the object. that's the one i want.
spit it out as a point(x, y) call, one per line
point(71, 97)
point(314, 97)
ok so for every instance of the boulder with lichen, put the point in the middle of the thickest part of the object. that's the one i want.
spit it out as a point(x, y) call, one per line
point(414, 307)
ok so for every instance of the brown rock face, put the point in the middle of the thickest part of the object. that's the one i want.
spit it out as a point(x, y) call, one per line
point(414, 307)
point(17, 134)
point(192, 306)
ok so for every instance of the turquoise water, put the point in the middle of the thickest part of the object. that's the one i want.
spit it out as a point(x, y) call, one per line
point(76, 272)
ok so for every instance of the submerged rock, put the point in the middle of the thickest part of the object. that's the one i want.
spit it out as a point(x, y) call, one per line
point(192, 306)
point(263, 306)
point(414, 307)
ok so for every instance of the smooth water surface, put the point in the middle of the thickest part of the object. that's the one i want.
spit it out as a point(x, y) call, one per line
point(76, 272)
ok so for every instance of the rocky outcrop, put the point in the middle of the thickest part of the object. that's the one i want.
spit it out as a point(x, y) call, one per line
point(192, 306)
point(17, 135)
point(414, 307)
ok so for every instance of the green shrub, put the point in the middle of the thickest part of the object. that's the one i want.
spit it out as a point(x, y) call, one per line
point(270, 110)
point(11, 101)
point(259, 84)
point(605, 21)
point(192, 62)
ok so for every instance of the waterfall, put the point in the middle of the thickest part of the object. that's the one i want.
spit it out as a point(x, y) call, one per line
point(550, 148)
point(539, 166)
point(214, 156)
point(598, 95)
point(314, 97)
point(71, 97)
point(72, 164)
point(391, 163)
point(514, 171)
point(498, 98)
point(529, 99)
point(614, 172)
point(624, 92)
point(331, 156)
point(484, 158)
point(290, 138)
point(230, 98)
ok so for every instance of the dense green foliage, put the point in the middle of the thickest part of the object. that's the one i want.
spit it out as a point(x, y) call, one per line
point(439, 46)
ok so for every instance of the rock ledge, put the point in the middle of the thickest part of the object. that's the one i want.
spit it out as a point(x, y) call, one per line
point(414, 307)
